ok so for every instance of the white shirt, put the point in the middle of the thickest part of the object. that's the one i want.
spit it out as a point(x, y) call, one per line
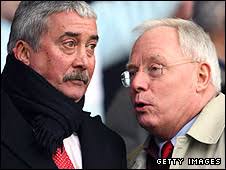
point(73, 149)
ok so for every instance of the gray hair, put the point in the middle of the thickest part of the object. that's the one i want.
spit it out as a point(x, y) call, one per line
point(30, 19)
point(193, 41)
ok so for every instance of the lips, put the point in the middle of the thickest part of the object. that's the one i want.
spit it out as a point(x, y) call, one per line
point(77, 82)
point(140, 106)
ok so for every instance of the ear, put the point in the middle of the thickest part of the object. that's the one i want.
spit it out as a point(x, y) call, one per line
point(22, 52)
point(204, 77)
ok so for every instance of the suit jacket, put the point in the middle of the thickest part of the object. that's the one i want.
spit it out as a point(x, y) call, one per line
point(122, 119)
point(205, 139)
point(101, 148)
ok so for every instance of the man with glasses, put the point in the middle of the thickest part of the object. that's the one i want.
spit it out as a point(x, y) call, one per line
point(174, 79)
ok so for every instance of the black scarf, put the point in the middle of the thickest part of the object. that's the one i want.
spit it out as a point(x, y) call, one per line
point(52, 115)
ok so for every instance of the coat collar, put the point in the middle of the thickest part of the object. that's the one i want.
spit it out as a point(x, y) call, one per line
point(137, 158)
point(212, 115)
point(210, 123)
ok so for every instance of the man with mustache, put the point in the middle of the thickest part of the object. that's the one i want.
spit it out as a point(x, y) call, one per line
point(79, 75)
point(175, 85)
point(49, 66)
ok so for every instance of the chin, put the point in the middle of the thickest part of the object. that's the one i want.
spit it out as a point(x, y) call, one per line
point(142, 120)
point(76, 96)
point(75, 93)
point(146, 121)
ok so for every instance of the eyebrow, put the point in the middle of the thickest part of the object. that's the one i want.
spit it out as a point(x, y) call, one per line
point(131, 66)
point(94, 37)
point(70, 34)
point(74, 34)
point(152, 58)
point(156, 58)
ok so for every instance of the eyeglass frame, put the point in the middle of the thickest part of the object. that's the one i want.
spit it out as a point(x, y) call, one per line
point(126, 74)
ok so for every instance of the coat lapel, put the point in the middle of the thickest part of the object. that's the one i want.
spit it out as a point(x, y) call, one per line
point(95, 152)
point(89, 145)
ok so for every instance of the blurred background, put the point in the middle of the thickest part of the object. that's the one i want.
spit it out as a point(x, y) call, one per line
point(115, 19)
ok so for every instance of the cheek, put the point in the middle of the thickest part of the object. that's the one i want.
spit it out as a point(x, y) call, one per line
point(39, 62)
point(175, 91)
point(91, 66)
point(56, 67)
point(187, 82)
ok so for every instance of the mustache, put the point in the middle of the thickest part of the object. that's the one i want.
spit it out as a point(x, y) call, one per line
point(77, 75)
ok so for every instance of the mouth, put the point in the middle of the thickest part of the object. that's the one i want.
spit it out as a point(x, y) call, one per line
point(77, 78)
point(78, 82)
point(140, 106)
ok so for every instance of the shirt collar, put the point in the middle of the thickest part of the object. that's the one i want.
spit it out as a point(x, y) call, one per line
point(182, 132)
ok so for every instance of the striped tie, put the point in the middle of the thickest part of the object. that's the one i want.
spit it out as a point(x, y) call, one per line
point(167, 150)
point(62, 160)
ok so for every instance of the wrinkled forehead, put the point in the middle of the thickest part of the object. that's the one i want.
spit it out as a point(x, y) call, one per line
point(159, 44)
point(71, 19)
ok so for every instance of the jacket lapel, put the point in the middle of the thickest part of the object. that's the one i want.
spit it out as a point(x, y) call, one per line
point(95, 152)
point(89, 145)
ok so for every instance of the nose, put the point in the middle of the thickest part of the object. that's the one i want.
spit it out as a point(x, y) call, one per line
point(81, 58)
point(140, 82)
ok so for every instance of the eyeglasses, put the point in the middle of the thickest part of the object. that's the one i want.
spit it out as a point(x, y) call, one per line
point(154, 71)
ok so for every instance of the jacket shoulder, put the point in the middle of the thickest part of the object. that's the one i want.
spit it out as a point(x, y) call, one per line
point(131, 157)
point(104, 131)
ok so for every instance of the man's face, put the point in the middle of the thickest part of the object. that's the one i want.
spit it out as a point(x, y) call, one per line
point(66, 53)
point(161, 103)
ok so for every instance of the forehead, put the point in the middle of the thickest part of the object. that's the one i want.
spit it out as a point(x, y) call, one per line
point(71, 21)
point(160, 43)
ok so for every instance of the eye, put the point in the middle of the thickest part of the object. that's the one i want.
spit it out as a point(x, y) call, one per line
point(91, 46)
point(70, 44)
point(132, 73)
point(155, 70)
